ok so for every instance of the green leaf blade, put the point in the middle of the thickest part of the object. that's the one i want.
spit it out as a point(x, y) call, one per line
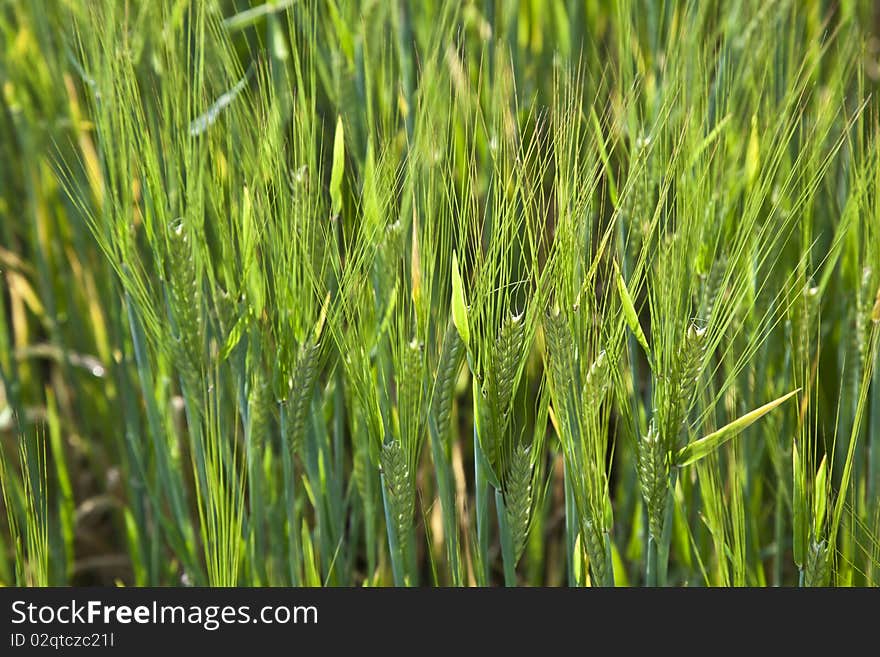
point(630, 314)
point(459, 306)
point(696, 450)
point(338, 169)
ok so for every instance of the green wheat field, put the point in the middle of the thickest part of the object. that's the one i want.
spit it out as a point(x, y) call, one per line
point(440, 293)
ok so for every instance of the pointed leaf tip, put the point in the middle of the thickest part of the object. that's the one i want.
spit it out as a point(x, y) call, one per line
point(459, 306)
point(753, 153)
point(696, 450)
point(630, 314)
point(338, 168)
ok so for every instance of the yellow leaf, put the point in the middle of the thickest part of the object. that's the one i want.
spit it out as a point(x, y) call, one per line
point(338, 167)
point(322, 319)
point(416, 264)
point(19, 286)
point(753, 153)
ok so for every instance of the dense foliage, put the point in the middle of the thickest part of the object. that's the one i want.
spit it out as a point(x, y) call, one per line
point(362, 292)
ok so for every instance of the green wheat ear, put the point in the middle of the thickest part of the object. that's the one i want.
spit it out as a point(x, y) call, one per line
point(186, 302)
point(399, 483)
point(560, 346)
point(451, 358)
point(499, 384)
point(868, 308)
point(683, 382)
point(596, 383)
point(259, 409)
point(305, 375)
point(508, 356)
point(711, 287)
point(518, 497)
point(409, 406)
point(818, 568)
point(653, 469)
point(594, 544)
